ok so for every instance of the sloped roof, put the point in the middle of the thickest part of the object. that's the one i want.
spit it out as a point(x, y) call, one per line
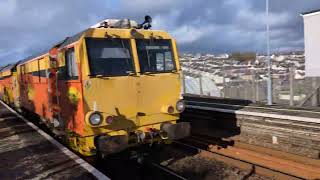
point(310, 12)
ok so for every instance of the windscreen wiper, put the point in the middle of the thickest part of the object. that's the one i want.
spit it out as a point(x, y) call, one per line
point(174, 71)
point(148, 73)
point(99, 76)
point(130, 73)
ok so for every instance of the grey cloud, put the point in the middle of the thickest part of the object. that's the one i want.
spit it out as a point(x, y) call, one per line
point(32, 26)
point(29, 26)
point(234, 25)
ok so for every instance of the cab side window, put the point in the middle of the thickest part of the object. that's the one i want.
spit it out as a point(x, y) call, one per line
point(23, 73)
point(71, 65)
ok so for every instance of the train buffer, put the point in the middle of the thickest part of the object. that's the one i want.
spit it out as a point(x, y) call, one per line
point(27, 152)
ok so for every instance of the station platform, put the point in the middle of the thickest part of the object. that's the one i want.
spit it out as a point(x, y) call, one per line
point(27, 152)
point(244, 107)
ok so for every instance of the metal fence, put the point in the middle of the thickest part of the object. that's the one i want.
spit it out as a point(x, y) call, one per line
point(249, 83)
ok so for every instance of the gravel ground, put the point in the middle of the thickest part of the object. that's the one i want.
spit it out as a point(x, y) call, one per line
point(198, 167)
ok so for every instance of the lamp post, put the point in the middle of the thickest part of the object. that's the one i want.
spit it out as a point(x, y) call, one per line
point(269, 81)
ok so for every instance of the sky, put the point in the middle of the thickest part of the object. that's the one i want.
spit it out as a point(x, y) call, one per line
point(205, 26)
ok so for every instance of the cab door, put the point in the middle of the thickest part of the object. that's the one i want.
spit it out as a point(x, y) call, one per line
point(68, 87)
point(159, 83)
point(111, 86)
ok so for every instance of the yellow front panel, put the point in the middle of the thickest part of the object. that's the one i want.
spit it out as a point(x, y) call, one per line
point(115, 96)
point(134, 101)
point(156, 94)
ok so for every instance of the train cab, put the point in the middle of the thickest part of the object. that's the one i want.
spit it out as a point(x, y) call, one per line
point(111, 86)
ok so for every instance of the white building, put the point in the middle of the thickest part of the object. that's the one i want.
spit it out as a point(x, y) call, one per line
point(312, 42)
point(209, 87)
point(222, 56)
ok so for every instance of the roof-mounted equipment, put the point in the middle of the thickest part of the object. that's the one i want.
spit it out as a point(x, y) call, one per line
point(147, 23)
point(116, 23)
point(124, 23)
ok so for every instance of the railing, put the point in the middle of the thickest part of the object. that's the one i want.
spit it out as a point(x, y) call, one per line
point(288, 88)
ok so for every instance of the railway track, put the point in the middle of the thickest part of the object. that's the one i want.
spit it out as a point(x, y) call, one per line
point(169, 172)
point(141, 166)
point(121, 166)
point(264, 164)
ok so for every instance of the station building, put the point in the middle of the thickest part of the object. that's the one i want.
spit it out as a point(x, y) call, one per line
point(312, 42)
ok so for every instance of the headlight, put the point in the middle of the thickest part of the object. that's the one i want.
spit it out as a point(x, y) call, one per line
point(95, 119)
point(180, 106)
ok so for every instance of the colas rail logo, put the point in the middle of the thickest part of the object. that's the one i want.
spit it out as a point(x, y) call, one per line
point(31, 92)
point(73, 95)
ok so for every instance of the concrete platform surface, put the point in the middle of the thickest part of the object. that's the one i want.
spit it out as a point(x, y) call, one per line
point(311, 115)
point(26, 152)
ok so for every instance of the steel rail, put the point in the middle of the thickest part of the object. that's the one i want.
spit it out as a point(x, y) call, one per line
point(168, 171)
point(254, 167)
